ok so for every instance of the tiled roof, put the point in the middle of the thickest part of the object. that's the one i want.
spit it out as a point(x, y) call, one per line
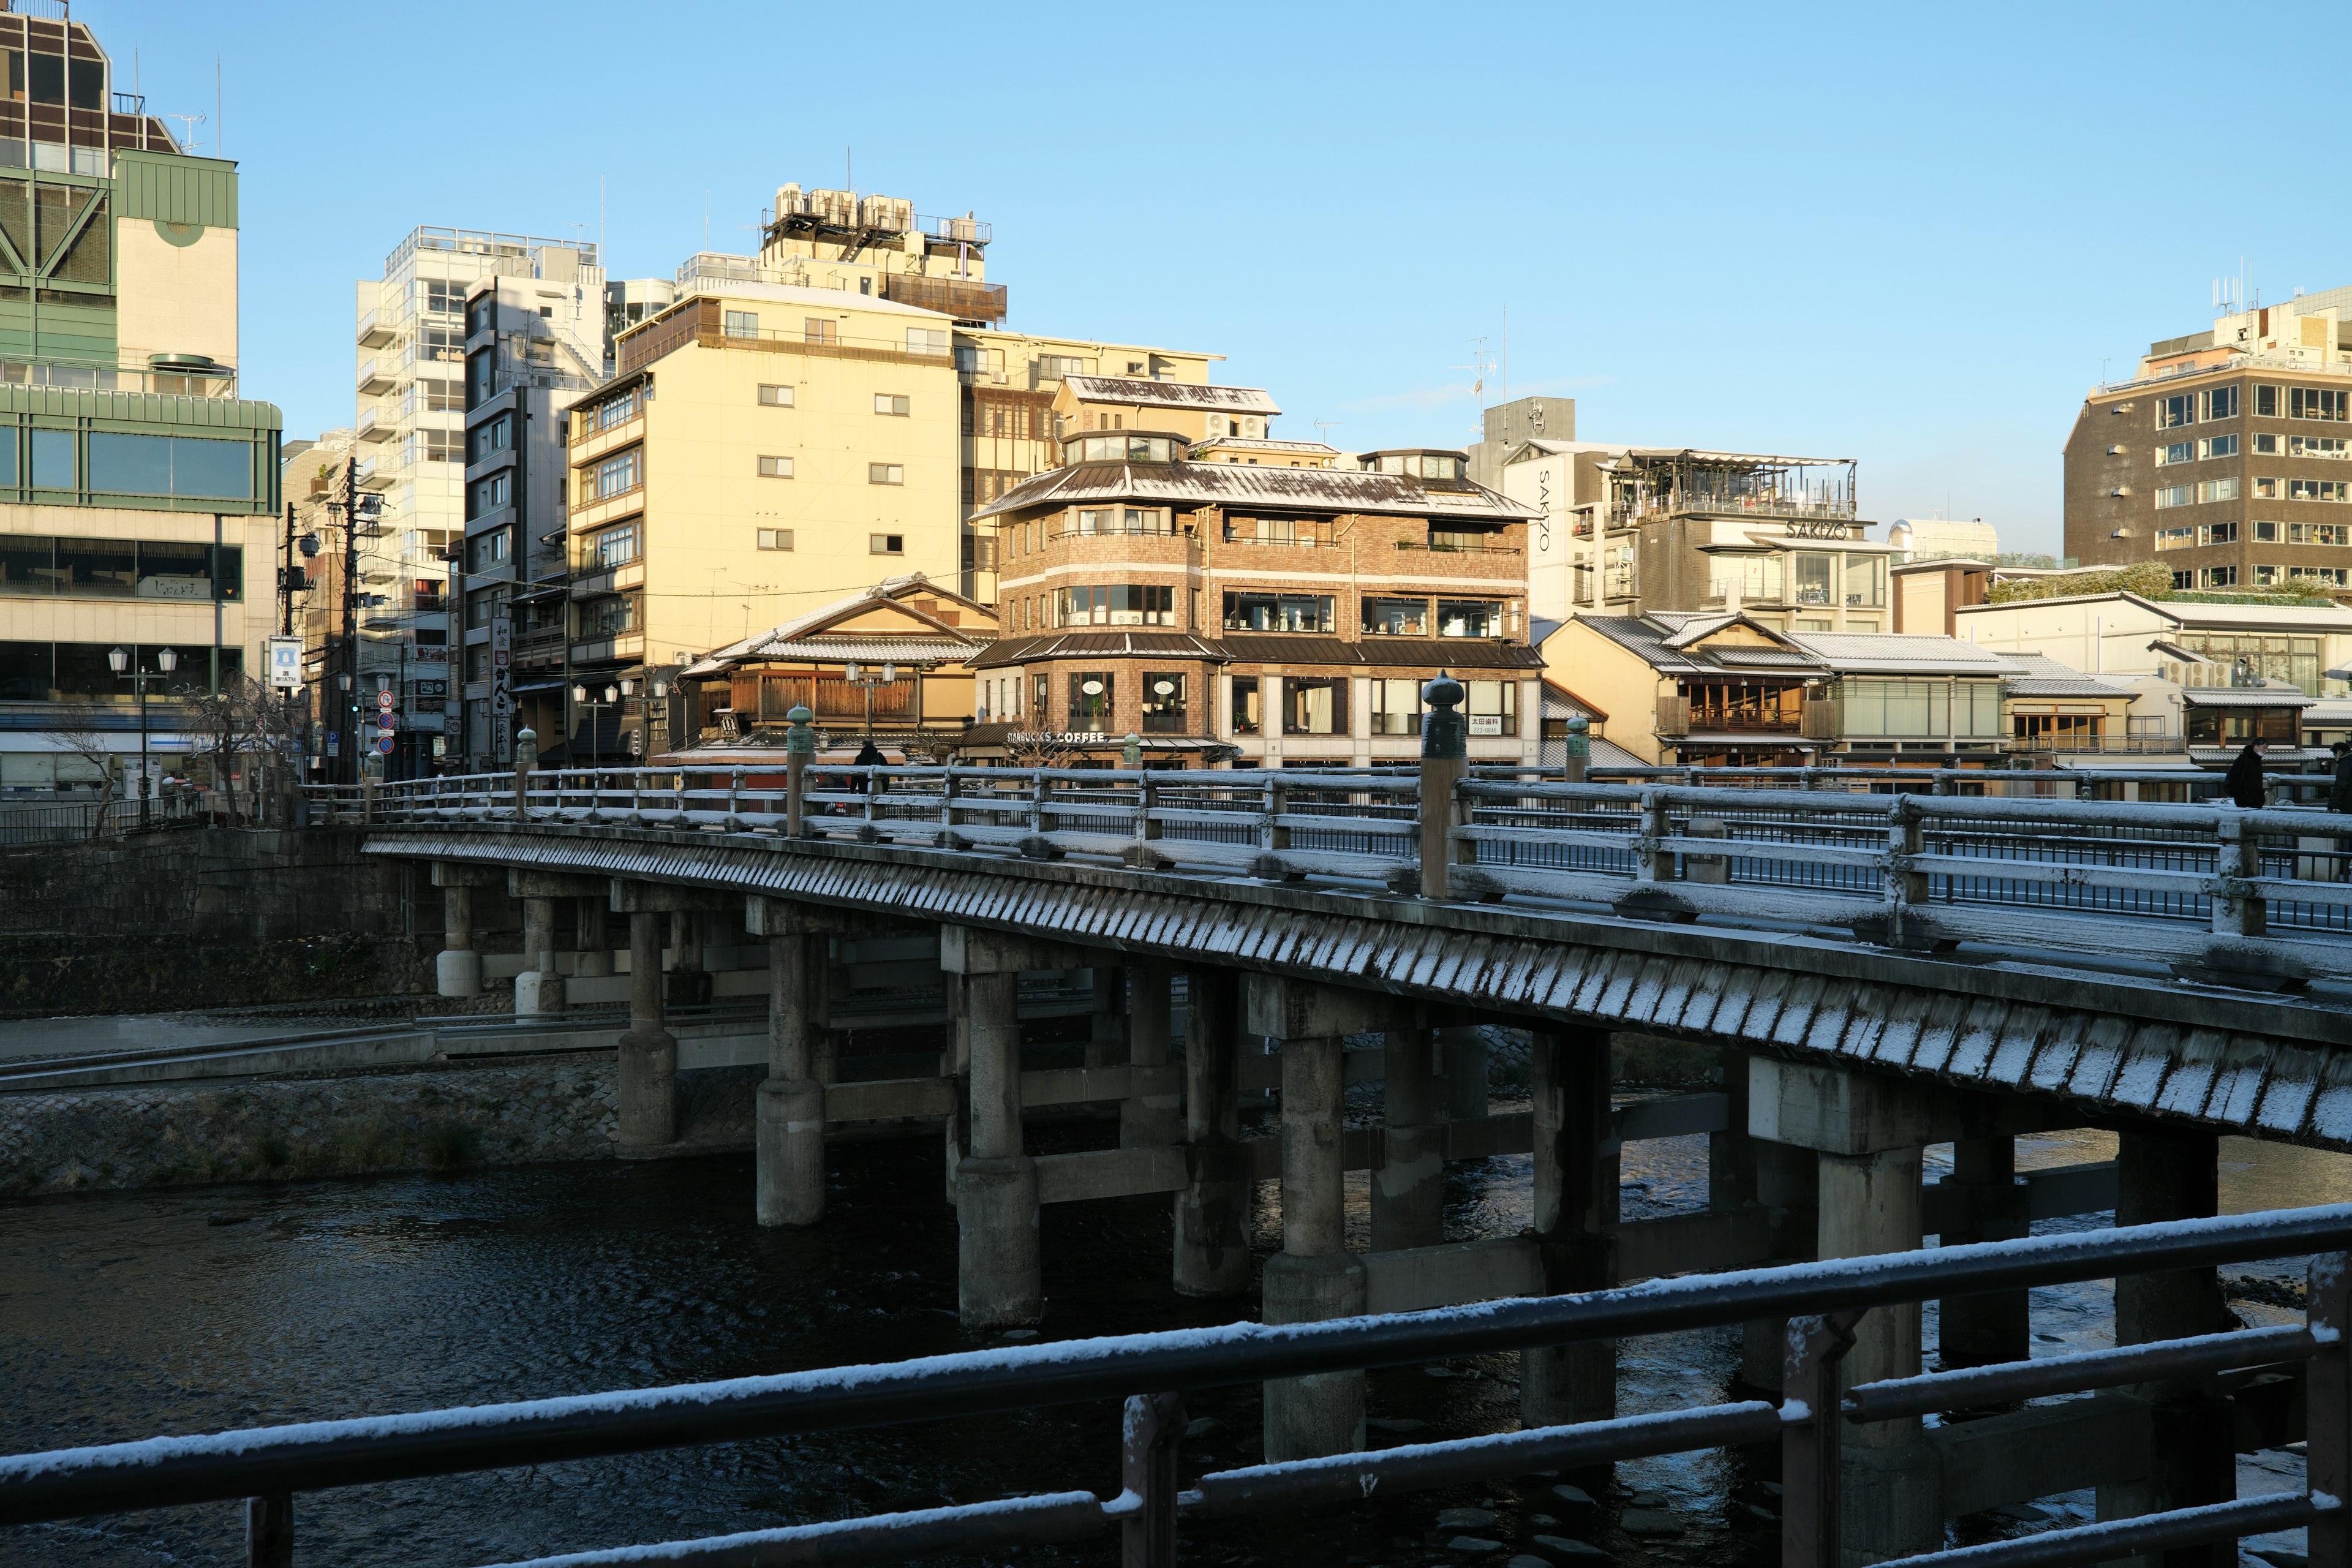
point(1268, 647)
point(1888, 653)
point(2244, 697)
point(1257, 484)
point(1136, 390)
point(1090, 643)
point(2048, 678)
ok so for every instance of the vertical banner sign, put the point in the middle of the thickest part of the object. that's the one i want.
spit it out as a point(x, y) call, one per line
point(502, 689)
point(285, 664)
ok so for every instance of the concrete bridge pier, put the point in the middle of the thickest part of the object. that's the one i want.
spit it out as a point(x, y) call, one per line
point(2166, 1174)
point(689, 982)
point(1213, 1212)
point(1463, 1050)
point(539, 988)
point(1409, 1188)
point(1867, 1133)
point(1000, 1279)
point(458, 970)
point(1787, 1186)
point(591, 938)
point(1315, 1277)
point(648, 1087)
point(1106, 1025)
point(1576, 1170)
point(1152, 1114)
point(1987, 1330)
point(789, 1114)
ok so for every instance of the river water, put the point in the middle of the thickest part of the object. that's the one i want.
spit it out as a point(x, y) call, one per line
point(126, 1315)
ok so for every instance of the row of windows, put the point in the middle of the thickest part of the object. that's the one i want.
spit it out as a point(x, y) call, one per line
point(2280, 576)
point(123, 464)
point(2327, 403)
point(2200, 451)
point(120, 568)
point(80, 671)
point(930, 343)
point(2265, 488)
point(2205, 533)
point(1311, 705)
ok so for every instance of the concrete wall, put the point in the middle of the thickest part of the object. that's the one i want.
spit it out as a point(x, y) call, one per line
point(214, 917)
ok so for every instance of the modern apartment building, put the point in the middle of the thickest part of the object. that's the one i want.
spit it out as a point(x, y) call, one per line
point(1640, 530)
point(2228, 456)
point(801, 423)
point(1278, 616)
point(410, 373)
point(527, 363)
point(137, 490)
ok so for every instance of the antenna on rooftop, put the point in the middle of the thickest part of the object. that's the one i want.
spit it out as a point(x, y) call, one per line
point(188, 123)
point(1323, 424)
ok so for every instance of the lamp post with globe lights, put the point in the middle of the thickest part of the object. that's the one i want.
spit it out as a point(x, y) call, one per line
point(123, 665)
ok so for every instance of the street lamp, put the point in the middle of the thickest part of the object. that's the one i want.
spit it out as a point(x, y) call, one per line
point(580, 699)
point(166, 661)
point(633, 686)
point(855, 673)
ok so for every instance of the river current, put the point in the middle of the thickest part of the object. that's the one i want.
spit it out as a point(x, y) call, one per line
point(125, 1315)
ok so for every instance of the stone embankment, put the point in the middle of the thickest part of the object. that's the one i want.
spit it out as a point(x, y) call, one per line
point(304, 1128)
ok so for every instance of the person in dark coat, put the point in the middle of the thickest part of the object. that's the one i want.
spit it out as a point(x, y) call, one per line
point(2245, 779)
point(2340, 792)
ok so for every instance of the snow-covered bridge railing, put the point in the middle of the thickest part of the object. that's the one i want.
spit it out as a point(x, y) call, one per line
point(2262, 897)
point(1824, 1302)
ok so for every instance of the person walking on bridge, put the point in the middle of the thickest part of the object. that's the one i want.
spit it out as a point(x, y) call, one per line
point(2245, 779)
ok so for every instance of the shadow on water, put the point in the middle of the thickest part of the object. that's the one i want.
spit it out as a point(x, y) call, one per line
point(125, 1315)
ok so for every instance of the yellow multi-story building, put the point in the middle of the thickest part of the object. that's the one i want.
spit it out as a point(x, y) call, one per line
point(802, 423)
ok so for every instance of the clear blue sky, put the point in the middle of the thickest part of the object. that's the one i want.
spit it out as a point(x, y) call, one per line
point(1902, 236)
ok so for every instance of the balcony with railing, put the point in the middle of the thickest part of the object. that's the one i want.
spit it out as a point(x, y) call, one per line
point(957, 297)
point(377, 375)
point(1680, 716)
point(376, 330)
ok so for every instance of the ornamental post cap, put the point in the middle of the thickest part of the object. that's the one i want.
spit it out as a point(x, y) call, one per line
point(1580, 725)
point(1442, 692)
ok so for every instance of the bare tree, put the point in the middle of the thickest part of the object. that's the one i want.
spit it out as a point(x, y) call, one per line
point(1041, 749)
point(234, 729)
point(78, 732)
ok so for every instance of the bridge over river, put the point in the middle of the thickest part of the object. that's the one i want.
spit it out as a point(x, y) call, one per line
point(1881, 971)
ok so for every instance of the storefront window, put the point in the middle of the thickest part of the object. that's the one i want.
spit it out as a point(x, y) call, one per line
point(1091, 693)
point(1163, 702)
point(1314, 707)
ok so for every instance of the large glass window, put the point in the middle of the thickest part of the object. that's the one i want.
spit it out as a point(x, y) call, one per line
point(1251, 611)
point(107, 567)
point(2319, 403)
point(621, 472)
point(1758, 578)
point(1117, 604)
point(1163, 702)
point(1492, 707)
point(1091, 701)
point(1312, 706)
point(53, 460)
point(2174, 411)
point(27, 671)
point(1397, 618)
point(1245, 719)
point(615, 546)
point(1865, 582)
point(1469, 618)
point(1816, 578)
point(1396, 707)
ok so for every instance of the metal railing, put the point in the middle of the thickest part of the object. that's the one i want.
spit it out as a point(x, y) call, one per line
point(1152, 1374)
point(1864, 848)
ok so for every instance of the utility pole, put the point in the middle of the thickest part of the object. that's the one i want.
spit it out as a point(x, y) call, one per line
point(348, 721)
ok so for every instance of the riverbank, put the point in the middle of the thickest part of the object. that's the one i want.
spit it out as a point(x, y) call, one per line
point(446, 1118)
